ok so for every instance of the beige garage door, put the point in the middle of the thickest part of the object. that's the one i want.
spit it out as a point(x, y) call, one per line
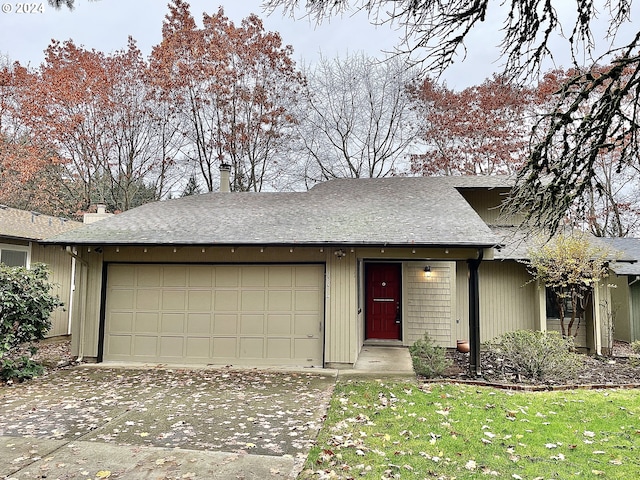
point(241, 315)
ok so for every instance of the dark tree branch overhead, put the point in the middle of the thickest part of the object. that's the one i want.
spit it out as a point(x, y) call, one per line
point(595, 113)
point(58, 4)
point(436, 30)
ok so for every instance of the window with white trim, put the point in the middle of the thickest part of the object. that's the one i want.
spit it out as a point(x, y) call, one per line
point(14, 255)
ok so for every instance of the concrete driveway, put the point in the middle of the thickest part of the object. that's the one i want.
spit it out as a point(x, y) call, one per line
point(93, 422)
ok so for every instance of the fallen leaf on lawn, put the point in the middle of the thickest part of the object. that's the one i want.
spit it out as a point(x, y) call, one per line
point(471, 465)
point(587, 433)
point(144, 434)
point(103, 474)
point(597, 472)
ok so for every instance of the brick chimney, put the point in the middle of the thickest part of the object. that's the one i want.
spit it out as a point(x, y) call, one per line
point(225, 173)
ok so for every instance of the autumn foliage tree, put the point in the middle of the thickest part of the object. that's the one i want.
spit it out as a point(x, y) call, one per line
point(29, 171)
point(232, 88)
point(93, 110)
point(481, 130)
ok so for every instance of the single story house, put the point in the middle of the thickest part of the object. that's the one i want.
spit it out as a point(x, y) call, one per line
point(303, 278)
point(21, 233)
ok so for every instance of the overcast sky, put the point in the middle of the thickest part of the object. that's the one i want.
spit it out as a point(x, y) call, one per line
point(106, 24)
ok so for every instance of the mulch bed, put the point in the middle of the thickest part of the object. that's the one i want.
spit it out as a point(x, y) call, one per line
point(621, 369)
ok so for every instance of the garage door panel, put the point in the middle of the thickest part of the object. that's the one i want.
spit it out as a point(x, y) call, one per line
point(146, 322)
point(147, 299)
point(226, 300)
point(308, 348)
point(253, 277)
point(200, 300)
point(122, 299)
point(227, 277)
point(251, 324)
point(279, 348)
point(225, 324)
point(145, 346)
point(281, 300)
point(306, 301)
point(121, 322)
point(148, 276)
point(280, 277)
point(307, 278)
point(252, 347)
point(227, 314)
point(305, 325)
point(173, 323)
point(253, 301)
point(174, 300)
point(279, 324)
point(201, 276)
point(174, 276)
point(198, 347)
point(199, 323)
point(172, 347)
point(122, 276)
point(225, 347)
point(120, 345)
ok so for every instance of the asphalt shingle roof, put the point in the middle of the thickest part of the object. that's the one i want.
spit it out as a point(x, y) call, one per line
point(24, 225)
point(628, 248)
point(391, 211)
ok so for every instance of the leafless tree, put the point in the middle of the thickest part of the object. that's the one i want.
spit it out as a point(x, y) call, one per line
point(358, 119)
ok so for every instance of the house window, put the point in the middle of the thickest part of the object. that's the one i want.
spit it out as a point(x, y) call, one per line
point(552, 305)
point(14, 255)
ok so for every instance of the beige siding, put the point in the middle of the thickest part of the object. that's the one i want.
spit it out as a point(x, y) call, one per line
point(342, 340)
point(60, 265)
point(87, 301)
point(487, 202)
point(429, 305)
point(634, 293)
point(621, 307)
point(507, 301)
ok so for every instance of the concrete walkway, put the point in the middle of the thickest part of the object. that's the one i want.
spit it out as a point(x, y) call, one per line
point(376, 361)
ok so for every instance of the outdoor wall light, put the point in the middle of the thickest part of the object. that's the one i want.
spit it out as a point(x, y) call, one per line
point(427, 271)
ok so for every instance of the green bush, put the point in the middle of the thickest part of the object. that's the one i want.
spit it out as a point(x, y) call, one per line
point(537, 356)
point(635, 347)
point(429, 359)
point(25, 309)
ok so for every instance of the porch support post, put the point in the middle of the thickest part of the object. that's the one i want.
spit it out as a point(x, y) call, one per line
point(474, 315)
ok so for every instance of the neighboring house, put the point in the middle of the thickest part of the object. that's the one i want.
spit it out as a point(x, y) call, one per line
point(303, 278)
point(625, 291)
point(21, 233)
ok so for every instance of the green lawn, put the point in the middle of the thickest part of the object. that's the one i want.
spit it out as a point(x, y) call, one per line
point(446, 431)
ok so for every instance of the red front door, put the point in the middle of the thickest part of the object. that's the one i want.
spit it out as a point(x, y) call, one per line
point(383, 288)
